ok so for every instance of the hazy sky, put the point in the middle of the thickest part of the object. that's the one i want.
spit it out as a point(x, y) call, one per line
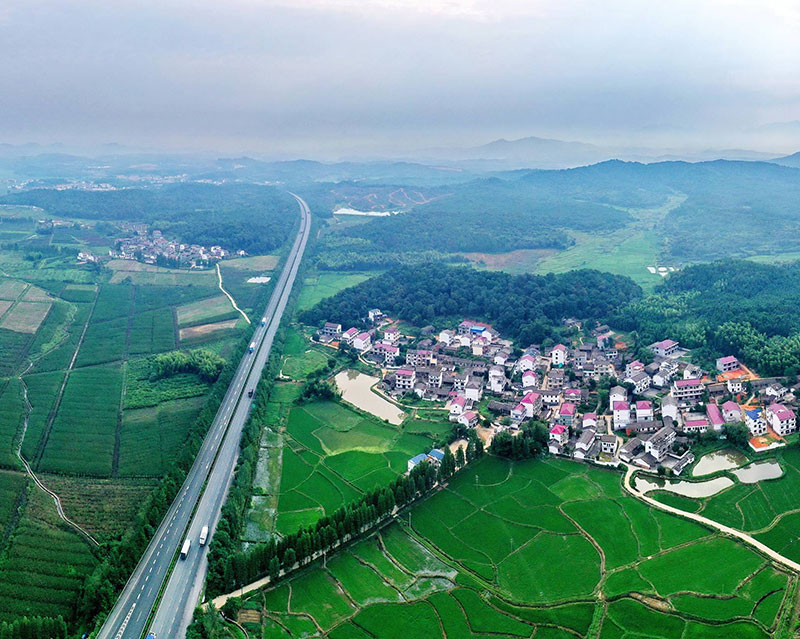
point(322, 77)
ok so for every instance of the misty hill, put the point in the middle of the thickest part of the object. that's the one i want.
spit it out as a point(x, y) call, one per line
point(789, 160)
point(730, 209)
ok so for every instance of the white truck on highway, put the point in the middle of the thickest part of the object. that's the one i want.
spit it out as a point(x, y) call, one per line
point(252, 347)
point(203, 535)
point(263, 321)
point(185, 550)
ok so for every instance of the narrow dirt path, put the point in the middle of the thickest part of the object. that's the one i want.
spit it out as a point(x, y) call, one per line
point(733, 532)
point(229, 296)
point(35, 478)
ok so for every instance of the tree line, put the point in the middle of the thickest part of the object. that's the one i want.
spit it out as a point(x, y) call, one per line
point(34, 628)
point(527, 308)
point(201, 361)
point(230, 568)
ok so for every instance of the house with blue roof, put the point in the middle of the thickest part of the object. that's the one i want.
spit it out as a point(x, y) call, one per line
point(755, 422)
point(435, 456)
point(416, 460)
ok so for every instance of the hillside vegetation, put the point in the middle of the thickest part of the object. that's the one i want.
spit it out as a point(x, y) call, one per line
point(524, 307)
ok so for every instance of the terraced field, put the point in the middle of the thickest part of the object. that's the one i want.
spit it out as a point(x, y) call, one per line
point(532, 549)
point(767, 509)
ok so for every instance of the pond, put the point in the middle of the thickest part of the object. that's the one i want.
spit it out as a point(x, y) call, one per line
point(754, 473)
point(696, 489)
point(356, 389)
point(725, 459)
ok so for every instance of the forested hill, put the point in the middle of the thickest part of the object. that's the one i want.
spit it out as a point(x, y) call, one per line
point(524, 307)
point(253, 218)
point(728, 307)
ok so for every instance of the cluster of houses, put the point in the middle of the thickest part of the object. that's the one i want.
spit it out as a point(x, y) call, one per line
point(154, 248)
point(648, 419)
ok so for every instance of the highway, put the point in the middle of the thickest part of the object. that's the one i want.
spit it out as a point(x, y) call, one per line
point(212, 470)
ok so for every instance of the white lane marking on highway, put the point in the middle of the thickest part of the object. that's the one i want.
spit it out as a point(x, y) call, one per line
point(125, 622)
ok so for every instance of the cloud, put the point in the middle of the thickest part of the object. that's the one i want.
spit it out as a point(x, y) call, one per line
point(328, 75)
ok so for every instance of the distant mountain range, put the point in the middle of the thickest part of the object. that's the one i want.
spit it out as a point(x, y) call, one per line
point(546, 153)
point(789, 160)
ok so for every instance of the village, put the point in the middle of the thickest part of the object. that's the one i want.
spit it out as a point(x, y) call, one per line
point(598, 403)
point(154, 248)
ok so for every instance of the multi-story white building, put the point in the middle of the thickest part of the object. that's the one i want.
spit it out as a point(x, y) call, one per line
point(782, 419)
point(687, 390)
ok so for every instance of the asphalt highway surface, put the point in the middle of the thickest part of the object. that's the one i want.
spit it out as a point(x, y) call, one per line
point(206, 487)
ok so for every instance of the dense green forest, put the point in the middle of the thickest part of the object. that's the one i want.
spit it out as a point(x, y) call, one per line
point(729, 307)
point(526, 308)
point(256, 219)
point(731, 209)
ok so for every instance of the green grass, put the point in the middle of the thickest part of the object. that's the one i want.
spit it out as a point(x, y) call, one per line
point(151, 437)
point(317, 287)
point(301, 366)
point(334, 455)
point(83, 433)
point(141, 391)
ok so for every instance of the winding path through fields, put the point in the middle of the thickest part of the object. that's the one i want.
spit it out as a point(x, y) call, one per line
point(229, 296)
point(733, 532)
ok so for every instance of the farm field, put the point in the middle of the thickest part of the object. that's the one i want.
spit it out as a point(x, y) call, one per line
point(206, 311)
point(104, 507)
point(301, 358)
point(83, 432)
point(148, 274)
point(150, 437)
point(332, 455)
point(25, 317)
point(768, 509)
point(327, 283)
point(535, 548)
point(200, 332)
point(44, 566)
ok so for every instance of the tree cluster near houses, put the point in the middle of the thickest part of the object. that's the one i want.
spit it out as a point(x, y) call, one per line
point(525, 308)
point(729, 308)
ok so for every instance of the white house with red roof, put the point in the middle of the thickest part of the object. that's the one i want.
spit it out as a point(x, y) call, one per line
point(559, 433)
point(405, 378)
point(532, 403)
point(350, 334)
point(695, 424)
point(457, 407)
point(589, 420)
point(468, 418)
point(529, 380)
point(782, 419)
point(519, 412)
point(731, 412)
point(622, 414)
point(687, 390)
point(567, 414)
point(644, 411)
point(727, 364)
point(558, 356)
point(714, 415)
point(362, 342)
point(572, 395)
point(634, 367)
point(664, 348)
